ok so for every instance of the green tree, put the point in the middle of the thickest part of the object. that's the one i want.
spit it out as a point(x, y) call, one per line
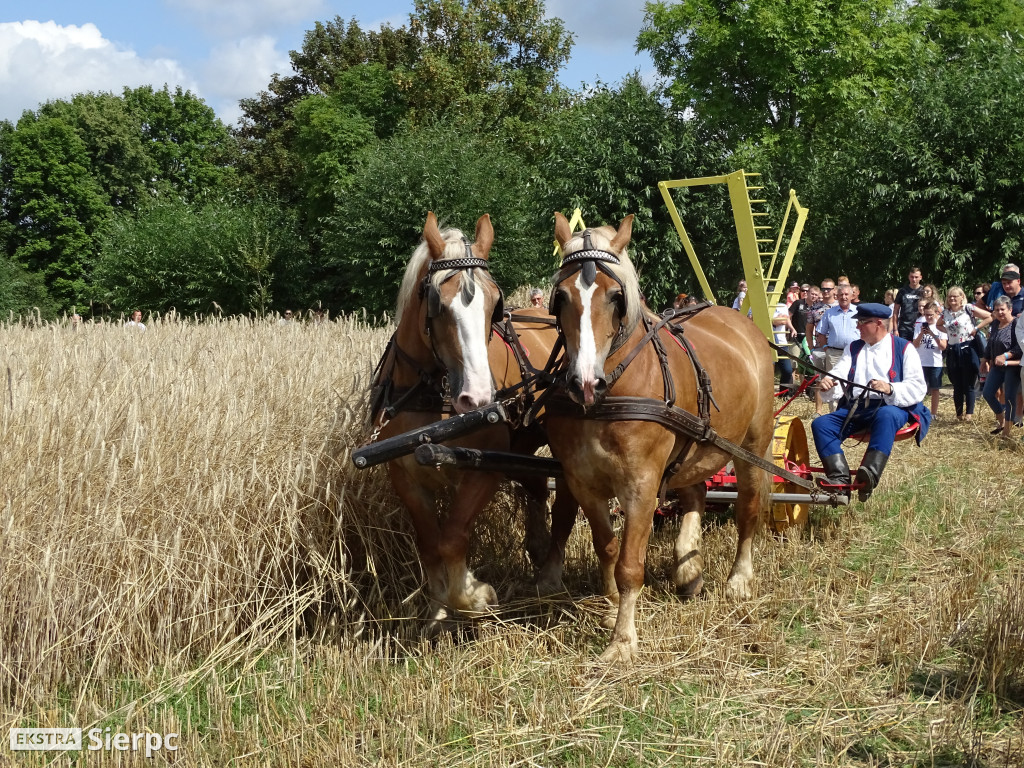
point(23, 292)
point(490, 64)
point(379, 219)
point(606, 153)
point(485, 62)
point(953, 23)
point(364, 105)
point(192, 151)
point(936, 180)
point(268, 131)
point(747, 69)
point(53, 208)
point(112, 137)
point(221, 255)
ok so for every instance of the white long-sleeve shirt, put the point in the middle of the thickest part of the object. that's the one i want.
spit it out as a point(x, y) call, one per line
point(874, 362)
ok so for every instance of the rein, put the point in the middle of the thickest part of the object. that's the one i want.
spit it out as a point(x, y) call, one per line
point(857, 402)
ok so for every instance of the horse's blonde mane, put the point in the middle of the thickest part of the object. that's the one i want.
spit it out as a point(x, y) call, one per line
point(601, 238)
point(454, 249)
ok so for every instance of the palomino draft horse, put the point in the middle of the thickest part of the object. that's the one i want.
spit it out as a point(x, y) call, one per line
point(444, 348)
point(616, 432)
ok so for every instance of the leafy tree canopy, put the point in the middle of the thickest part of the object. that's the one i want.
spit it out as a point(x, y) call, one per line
point(489, 64)
point(936, 180)
point(53, 207)
point(331, 129)
point(484, 61)
point(23, 292)
point(609, 150)
point(747, 68)
point(953, 23)
point(268, 131)
point(219, 256)
point(379, 219)
point(193, 151)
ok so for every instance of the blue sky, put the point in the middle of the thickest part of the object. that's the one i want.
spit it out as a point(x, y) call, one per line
point(225, 50)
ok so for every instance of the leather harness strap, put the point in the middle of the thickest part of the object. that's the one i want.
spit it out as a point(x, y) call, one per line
point(675, 419)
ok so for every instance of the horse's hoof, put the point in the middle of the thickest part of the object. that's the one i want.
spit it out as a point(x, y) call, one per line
point(436, 625)
point(619, 652)
point(482, 601)
point(692, 588)
point(548, 586)
point(737, 590)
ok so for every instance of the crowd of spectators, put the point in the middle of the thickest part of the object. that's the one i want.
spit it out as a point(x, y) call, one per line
point(973, 338)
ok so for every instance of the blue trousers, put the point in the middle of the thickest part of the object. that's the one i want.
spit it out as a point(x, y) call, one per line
point(884, 421)
point(1009, 380)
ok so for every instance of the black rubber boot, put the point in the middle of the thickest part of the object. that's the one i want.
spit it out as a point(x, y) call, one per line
point(870, 472)
point(837, 471)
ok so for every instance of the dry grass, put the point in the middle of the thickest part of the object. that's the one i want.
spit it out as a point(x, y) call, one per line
point(184, 547)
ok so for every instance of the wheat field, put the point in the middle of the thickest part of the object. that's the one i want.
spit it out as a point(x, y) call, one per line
point(185, 547)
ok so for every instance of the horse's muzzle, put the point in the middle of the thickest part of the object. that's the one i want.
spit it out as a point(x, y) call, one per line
point(587, 393)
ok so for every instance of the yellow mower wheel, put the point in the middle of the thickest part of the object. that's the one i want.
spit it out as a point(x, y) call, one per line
point(789, 443)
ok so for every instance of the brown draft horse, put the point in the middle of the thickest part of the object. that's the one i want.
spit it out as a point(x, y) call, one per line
point(600, 316)
point(444, 343)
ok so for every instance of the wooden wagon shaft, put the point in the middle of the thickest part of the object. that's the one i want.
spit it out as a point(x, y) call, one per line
point(447, 429)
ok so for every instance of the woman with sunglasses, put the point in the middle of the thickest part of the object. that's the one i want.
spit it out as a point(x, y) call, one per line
point(980, 295)
point(961, 322)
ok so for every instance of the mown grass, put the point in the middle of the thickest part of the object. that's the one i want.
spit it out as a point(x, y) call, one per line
point(185, 548)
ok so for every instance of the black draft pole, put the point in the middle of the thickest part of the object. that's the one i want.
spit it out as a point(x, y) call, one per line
point(446, 429)
point(487, 461)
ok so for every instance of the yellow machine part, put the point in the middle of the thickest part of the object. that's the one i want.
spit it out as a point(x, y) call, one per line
point(788, 443)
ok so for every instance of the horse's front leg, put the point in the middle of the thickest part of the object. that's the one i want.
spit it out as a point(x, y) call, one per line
point(465, 592)
point(638, 504)
point(421, 503)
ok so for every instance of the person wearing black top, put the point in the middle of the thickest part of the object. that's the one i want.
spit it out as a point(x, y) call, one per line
point(798, 313)
point(905, 310)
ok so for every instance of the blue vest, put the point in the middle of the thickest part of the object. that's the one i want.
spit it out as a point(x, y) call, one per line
point(918, 412)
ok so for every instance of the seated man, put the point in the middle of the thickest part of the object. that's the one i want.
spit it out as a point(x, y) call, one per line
point(888, 369)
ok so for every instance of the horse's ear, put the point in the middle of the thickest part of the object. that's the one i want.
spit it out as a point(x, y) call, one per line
point(621, 239)
point(563, 233)
point(432, 235)
point(484, 237)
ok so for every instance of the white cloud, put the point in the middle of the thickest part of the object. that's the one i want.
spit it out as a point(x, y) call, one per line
point(240, 69)
point(42, 61)
point(233, 18)
point(601, 22)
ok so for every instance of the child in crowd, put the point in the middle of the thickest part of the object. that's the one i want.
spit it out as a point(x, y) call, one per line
point(931, 343)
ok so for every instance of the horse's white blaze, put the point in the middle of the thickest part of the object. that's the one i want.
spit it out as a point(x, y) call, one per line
point(586, 357)
point(472, 328)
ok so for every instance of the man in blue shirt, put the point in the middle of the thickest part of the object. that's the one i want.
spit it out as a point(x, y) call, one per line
point(997, 287)
point(838, 326)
